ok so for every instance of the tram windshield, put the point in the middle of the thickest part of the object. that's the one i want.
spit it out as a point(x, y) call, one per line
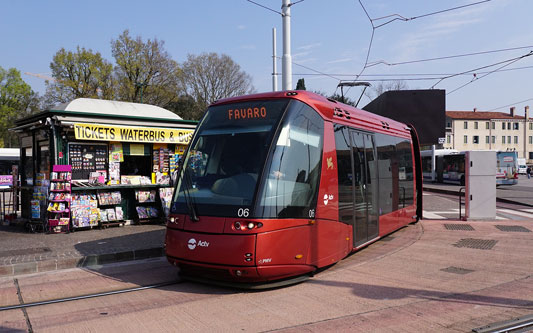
point(253, 159)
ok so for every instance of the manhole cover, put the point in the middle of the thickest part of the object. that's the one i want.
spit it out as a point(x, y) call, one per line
point(457, 270)
point(480, 244)
point(466, 227)
point(513, 228)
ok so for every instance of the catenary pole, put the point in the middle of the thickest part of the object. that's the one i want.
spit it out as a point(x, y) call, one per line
point(286, 75)
point(274, 62)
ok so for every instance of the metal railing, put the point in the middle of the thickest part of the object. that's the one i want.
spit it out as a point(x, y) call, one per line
point(462, 194)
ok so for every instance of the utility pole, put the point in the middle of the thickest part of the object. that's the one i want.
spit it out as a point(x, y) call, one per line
point(286, 77)
point(274, 62)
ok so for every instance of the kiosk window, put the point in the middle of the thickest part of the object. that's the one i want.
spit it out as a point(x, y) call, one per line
point(136, 165)
point(87, 158)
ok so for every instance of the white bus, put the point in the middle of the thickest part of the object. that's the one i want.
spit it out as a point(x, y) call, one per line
point(450, 166)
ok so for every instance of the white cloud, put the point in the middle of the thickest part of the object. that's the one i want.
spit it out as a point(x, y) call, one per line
point(241, 27)
point(309, 46)
point(339, 61)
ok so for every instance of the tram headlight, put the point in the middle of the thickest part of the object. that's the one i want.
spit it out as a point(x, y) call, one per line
point(251, 225)
point(172, 219)
point(237, 225)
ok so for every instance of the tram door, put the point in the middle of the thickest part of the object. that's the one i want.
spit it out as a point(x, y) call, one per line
point(365, 187)
point(357, 172)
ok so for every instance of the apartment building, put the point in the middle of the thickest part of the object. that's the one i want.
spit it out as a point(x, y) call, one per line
point(475, 130)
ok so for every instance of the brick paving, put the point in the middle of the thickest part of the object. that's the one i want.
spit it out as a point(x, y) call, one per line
point(22, 252)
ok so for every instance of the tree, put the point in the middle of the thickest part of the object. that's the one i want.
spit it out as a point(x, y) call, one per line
point(79, 74)
point(144, 71)
point(381, 87)
point(187, 108)
point(209, 77)
point(339, 98)
point(17, 100)
point(300, 85)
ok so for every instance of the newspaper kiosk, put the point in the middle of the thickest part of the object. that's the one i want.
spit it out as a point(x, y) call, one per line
point(122, 156)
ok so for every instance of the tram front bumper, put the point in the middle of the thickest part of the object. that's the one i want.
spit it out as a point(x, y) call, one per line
point(223, 257)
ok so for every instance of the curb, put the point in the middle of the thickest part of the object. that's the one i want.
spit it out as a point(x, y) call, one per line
point(85, 261)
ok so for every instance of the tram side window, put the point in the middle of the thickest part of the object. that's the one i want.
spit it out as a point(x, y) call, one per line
point(387, 167)
point(405, 172)
point(345, 176)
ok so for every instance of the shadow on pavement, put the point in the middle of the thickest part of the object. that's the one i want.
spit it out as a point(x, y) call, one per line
point(391, 293)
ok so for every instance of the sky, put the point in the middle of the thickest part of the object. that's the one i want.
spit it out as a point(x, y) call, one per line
point(330, 41)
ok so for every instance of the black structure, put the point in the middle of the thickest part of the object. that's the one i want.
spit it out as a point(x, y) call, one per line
point(424, 109)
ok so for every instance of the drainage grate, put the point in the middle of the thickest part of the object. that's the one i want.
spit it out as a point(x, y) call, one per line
point(457, 270)
point(480, 244)
point(466, 227)
point(512, 228)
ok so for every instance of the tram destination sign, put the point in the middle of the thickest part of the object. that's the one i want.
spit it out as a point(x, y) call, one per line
point(102, 132)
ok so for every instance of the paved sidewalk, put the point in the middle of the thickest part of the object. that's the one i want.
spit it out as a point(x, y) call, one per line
point(22, 252)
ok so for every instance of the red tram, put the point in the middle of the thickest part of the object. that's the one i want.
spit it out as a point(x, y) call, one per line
point(278, 185)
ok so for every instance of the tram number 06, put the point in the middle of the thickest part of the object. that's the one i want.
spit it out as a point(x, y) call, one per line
point(243, 212)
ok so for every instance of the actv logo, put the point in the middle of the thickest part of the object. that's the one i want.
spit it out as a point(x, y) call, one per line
point(192, 244)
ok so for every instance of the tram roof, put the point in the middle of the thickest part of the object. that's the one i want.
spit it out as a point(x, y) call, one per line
point(330, 109)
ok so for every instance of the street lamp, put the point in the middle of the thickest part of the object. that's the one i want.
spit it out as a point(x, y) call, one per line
point(353, 84)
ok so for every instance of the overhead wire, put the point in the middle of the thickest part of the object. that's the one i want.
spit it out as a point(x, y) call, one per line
point(382, 62)
point(399, 17)
point(432, 76)
point(479, 78)
point(472, 71)
point(512, 104)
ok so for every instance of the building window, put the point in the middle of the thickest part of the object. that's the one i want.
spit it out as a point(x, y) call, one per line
point(515, 126)
point(503, 139)
point(475, 125)
point(508, 126)
point(475, 139)
point(487, 125)
point(449, 124)
point(449, 139)
point(531, 126)
point(516, 140)
point(530, 139)
point(493, 139)
point(509, 139)
point(493, 125)
point(503, 126)
point(487, 139)
point(466, 139)
point(465, 125)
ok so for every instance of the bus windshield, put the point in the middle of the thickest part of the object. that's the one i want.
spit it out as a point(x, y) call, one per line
point(223, 169)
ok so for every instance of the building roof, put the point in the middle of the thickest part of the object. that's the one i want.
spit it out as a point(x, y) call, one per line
point(479, 115)
point(115, 108)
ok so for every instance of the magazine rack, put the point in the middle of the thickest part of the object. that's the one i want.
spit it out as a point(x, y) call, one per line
point(59, 199)
point(146, 202)
point(111, 209)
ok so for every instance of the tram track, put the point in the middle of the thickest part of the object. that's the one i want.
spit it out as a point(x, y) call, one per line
point(24, 305)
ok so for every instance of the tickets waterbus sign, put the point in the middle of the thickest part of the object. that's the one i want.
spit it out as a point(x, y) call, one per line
point(101, 132)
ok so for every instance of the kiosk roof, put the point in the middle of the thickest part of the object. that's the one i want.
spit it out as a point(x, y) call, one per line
point(116, 108)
